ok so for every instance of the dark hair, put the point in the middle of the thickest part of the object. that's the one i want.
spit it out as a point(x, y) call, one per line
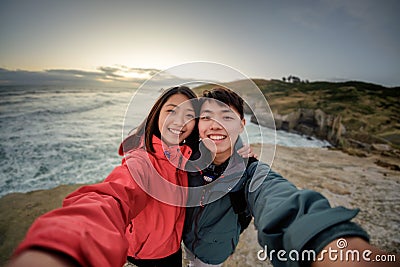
point(227, 97)
point(149, 126)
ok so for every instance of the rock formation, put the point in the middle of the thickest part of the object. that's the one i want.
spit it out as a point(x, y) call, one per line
point(308, 122)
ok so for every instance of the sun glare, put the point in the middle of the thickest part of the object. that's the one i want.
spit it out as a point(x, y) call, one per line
point(133, 75)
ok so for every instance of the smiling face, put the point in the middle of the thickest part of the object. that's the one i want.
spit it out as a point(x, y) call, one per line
point(176, 120)
point(219, 128)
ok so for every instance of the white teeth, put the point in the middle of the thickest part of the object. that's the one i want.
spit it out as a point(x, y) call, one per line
point(175, 131)
point(216, 137)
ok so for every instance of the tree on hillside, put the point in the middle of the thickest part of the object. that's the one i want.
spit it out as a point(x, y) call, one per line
point(293, 79)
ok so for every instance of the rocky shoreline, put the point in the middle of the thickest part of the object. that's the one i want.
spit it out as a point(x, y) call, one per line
point(351, 181)
point(316, 123)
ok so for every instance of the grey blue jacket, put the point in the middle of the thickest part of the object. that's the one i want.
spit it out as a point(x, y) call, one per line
point(285, 217)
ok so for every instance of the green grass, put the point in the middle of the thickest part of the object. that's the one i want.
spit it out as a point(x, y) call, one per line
point(370, 108)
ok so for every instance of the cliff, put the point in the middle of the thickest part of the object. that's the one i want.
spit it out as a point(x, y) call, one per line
point(341, 112)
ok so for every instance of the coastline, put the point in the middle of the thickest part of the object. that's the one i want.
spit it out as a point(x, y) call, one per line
point(351, 181)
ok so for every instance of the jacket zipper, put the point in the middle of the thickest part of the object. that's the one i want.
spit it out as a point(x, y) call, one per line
point(196, 221)
point(180, 158)
point(196, 226)
point(198, 214)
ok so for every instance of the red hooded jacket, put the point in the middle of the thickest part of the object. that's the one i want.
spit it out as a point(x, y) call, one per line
point(137, 210)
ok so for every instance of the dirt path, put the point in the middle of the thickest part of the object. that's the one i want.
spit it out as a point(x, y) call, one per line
point(345, 180)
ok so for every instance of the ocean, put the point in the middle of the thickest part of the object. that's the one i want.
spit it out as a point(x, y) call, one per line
point(52, 135)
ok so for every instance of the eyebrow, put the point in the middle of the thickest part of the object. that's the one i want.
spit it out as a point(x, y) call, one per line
point(223, 111)
point(177, 106)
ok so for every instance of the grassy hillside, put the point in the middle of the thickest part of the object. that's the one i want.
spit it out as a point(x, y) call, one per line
point(370, 112)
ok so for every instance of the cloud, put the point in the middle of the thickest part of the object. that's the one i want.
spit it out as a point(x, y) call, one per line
point(110, 72)
point(124, 73)
point(105, 75)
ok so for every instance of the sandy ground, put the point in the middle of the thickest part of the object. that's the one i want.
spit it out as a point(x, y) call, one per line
point(345, 180)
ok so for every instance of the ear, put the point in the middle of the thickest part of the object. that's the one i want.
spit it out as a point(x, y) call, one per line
point(242, 124)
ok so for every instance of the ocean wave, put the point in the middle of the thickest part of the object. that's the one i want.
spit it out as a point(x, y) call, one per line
point(56, 111)
point(52, 136)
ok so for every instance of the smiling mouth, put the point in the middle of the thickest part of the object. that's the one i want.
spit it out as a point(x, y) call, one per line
point(216, 137)
point(174, 131)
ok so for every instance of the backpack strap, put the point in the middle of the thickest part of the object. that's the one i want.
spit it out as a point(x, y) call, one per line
point(239, 203)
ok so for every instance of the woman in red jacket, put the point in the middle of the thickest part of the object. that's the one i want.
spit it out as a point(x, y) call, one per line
point(138, 211)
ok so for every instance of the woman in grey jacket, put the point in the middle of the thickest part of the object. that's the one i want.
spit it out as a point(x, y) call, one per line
point(295, 227)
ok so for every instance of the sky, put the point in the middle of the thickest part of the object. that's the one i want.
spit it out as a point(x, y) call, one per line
point(124, 41)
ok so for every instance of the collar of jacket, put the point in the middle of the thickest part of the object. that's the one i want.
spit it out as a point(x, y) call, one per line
point(177, 155)
point(232, 174)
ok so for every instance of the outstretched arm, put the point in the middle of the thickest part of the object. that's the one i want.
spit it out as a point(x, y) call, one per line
point(290, 220)
point(90, 227)
point(37, 258)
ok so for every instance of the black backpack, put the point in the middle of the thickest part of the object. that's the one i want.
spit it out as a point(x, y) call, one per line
point(239, 203)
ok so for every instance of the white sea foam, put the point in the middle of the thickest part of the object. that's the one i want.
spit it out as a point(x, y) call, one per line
point(64, 135)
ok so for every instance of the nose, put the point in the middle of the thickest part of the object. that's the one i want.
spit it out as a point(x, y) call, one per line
point(215, 125)
point(179, 120)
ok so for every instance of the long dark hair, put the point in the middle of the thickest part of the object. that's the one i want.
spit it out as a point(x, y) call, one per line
point(149, 126)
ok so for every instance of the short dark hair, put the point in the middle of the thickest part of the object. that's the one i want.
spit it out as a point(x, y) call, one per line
point(149, 126)
point(227, 97)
